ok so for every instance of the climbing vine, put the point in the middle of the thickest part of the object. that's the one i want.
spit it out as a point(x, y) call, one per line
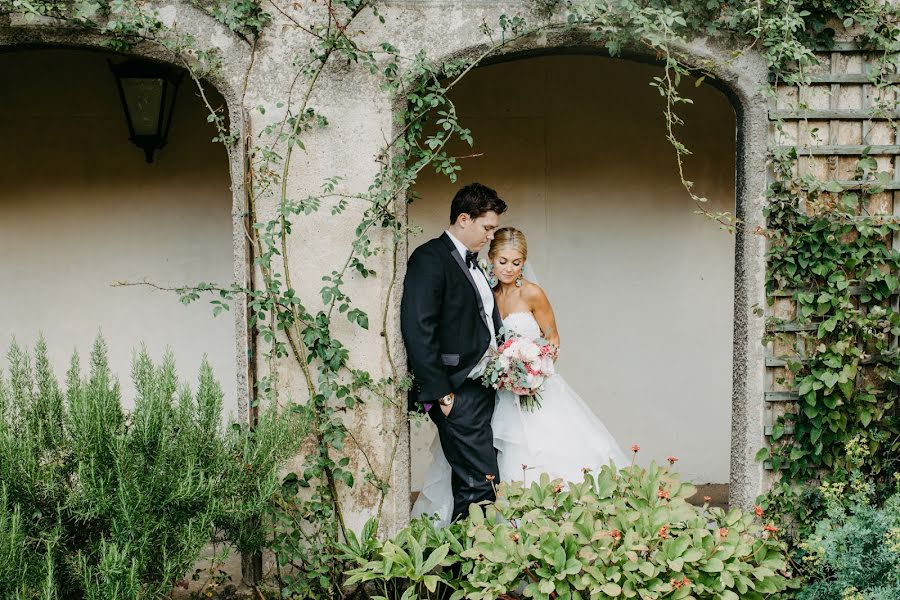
point(827, 250)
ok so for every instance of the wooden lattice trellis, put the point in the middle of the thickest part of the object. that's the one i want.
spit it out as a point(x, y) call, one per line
point(832, 121)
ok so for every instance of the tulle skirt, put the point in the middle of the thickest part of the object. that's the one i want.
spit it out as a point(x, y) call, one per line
point(561, 438)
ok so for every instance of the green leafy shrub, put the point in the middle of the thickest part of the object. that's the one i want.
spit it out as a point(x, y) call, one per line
point(97, 503)
point(853, 551)
point(625, 534)
point(855, 555)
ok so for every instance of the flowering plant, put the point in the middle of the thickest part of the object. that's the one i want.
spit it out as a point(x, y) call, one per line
point(612, 535)
point(521, 365)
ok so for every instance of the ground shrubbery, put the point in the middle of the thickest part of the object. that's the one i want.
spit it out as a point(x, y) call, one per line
point(625, 534)
point(103, 504)
point(849, 548)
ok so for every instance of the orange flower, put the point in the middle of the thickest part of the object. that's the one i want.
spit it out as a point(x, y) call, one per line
point(723, 532)
point(515, 537)
point(672, 459)
point(664, 531)
point(759, 511)
point(635, 448)
point(680, 583)
point(707, 499)
point(615, 534)
point(662, 494)
point(489, 477)
point(770, 528)
point(558, 488)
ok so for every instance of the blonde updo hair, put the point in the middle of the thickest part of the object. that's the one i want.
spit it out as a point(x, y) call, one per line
point(509, 237)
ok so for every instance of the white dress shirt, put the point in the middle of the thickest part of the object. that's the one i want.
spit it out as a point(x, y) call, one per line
point(487, 300)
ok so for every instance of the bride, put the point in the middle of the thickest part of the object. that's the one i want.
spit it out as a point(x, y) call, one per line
point(563, 436)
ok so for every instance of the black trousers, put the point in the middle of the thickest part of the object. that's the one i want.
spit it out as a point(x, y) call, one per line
point(468, 444)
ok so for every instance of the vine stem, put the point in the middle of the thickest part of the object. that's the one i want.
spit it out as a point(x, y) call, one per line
point(671, 120)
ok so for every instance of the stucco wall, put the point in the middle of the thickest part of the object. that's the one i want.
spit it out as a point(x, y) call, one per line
point(361, 118)
point(643, 289)
point(82, 210)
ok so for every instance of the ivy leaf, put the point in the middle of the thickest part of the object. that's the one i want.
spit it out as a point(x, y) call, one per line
point(777, 431)
point(865, 417)
point(806, 386)
point(851, 201)
point(86, 10)
point(829, 378)
point(815, 435)
point(846, 388)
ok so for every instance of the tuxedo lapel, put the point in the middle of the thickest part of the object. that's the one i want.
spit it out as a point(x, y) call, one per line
point(495, 315)
point(498, 322)
point(460, 261)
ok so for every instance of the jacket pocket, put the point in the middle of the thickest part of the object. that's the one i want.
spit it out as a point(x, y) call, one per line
point(450, 360)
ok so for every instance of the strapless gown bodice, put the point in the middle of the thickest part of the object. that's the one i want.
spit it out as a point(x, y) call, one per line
point(523, 324)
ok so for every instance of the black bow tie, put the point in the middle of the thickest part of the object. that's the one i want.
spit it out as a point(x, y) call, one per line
point(471, 259)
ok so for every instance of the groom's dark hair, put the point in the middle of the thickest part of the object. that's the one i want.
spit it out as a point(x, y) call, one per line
point(475, 199)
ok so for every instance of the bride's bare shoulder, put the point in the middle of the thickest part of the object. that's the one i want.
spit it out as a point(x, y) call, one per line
point(533, 293)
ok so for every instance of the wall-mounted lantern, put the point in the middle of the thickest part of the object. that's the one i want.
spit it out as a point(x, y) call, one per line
point(147, 90)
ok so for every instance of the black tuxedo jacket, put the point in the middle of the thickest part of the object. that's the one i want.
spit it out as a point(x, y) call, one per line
point(442, 319)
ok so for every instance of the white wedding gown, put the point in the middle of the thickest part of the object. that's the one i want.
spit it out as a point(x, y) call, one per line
point(561, 438)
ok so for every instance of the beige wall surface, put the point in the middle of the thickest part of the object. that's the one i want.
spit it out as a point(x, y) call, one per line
point(82, 210)
point(643, 288)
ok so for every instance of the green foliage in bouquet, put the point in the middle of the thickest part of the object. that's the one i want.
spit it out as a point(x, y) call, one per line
point(97, 503)
point(625, 534)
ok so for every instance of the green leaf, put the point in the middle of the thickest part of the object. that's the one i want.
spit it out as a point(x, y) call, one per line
point(695, 554)
point(435, 558)
point(728, 581)
point(611, 589)
point(850, 201)
point(409, 594)
point(713, 565)
point(865, 417)
point(476, 516)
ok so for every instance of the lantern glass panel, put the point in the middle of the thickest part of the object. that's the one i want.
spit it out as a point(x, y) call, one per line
point(168, 108)
point(144, 98)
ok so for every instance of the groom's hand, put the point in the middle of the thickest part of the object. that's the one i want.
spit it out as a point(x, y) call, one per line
point(446, 403)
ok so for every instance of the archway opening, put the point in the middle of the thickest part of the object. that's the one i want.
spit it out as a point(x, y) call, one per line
point(82, 210)
point(643, 288)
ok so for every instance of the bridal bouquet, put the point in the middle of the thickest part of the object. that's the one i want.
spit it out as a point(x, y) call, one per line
point(521, 365)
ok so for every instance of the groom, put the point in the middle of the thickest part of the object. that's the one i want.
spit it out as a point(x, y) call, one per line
point(449, 321)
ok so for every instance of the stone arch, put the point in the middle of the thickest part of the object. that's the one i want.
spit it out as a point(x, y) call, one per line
point(19, 34)
point(741, 79)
